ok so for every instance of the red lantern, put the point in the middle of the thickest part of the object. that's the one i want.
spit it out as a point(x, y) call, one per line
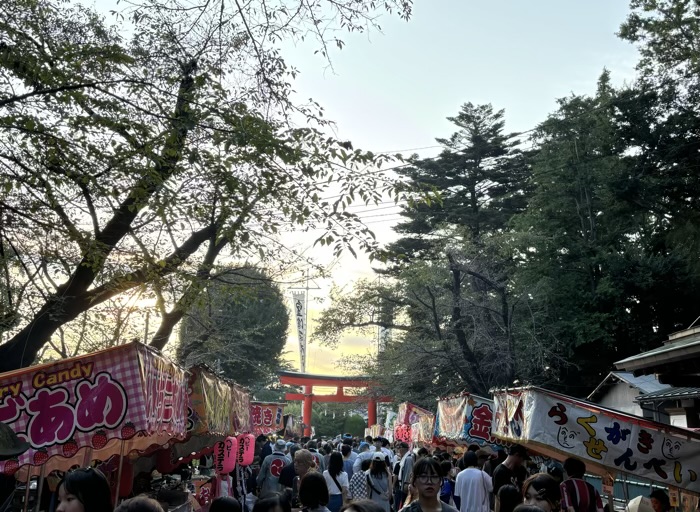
point(246, 449)
point(164, 463)
point(225, 454)
point(127, 482)
point(402, 432)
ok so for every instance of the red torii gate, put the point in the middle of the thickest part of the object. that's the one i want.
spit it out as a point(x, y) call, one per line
point(308, 381)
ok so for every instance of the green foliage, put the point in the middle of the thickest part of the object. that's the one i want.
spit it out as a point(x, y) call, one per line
point(329, 420)
point(238, 327)
point(136, 152)
point(549, 266)
point(354, 425)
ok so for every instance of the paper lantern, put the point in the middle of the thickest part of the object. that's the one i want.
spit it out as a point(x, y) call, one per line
point(225, 454)
point(164, 462)
point(402, 432)
point(127, 482)
point(246, 449)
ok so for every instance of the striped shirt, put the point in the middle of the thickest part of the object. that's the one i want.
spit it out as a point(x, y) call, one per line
point(579, 496)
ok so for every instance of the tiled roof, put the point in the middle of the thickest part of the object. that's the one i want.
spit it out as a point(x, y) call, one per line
point(644, 383)
point(670, 394)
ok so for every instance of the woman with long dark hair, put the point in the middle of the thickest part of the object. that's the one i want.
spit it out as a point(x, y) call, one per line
point(379, 482)
point(84, 490)
point(313, 493)
point(337, 482)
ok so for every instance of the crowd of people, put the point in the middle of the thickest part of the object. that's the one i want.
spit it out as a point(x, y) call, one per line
point(374, 475)
point(370, 475)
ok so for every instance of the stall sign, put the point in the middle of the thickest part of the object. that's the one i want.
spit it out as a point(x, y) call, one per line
point(402, 432)
point(410, 413)
point(266, 418)
point(86, 401)
point(422, 431)
point(164, 385)
point(240, 409)
point(612, 439)
point(466, 419)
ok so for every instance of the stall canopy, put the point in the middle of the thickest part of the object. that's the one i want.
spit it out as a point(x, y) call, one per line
point(409, 413)
point(217, 408)
point(463, 420)
point(85, 407)
point(608, 441)
point(266, 417)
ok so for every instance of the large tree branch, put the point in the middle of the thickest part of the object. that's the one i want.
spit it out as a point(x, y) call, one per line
point(171, 318)
point(21, 350)
point(120, 223)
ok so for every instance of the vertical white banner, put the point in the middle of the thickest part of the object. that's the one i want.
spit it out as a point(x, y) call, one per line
point(384, 338)
point(299, 303)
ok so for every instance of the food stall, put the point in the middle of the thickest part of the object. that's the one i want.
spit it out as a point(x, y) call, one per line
point(609, 442)
point(97, 407)
point(413, 424)
point(218, 409)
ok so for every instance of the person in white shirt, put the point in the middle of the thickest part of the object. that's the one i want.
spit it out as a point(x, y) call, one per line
point(473, 486)
point(336, 481)
point(365, 454)
point(406, 460)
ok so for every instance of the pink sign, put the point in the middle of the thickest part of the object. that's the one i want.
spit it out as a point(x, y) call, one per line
point(85, 402)
point(266, 418)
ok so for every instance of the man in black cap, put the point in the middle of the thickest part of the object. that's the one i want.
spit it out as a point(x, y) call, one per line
point(512, 470)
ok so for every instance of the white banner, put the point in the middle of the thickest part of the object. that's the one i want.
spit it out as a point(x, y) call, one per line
point(612, 439)
point(384, 338)
point(299, 307)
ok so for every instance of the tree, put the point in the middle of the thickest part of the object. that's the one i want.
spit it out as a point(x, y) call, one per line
point(492, 337)
point(589, 245)
point(129, 165)
point(239, 327)
point(479, 175)
point(329, 420)
point(452, 299)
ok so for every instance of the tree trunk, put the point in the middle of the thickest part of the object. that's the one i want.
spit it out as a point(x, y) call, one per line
point(72, 297)
point(22, 349)
point(457, 322)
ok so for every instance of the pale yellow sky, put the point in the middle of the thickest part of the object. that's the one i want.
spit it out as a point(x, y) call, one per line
point(320, 359)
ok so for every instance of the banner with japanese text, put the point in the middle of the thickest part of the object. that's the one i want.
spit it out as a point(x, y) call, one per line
point(555, 424)
point(410, 413)
point(266, 418)
point(465, 419)
point(92, 404)
point(299, 308)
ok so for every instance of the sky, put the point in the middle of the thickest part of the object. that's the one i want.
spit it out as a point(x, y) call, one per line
point(392, 91)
